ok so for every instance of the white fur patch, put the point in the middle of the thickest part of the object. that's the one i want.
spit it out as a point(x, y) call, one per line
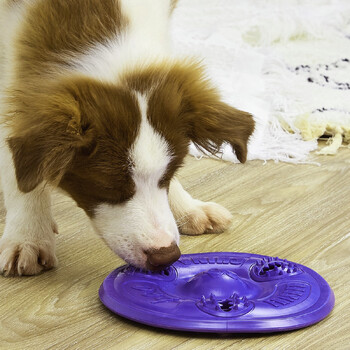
point(150, 153)
point(145, 40)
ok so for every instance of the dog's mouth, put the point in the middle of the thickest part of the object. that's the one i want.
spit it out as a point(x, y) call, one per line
point(156, 268)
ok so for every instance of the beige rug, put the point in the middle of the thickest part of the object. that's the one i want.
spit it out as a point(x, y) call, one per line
point(287, 62)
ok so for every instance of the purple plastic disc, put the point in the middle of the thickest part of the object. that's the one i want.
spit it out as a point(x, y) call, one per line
point(221, 293)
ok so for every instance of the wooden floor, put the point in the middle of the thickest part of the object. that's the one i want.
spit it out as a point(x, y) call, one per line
point(301, 213)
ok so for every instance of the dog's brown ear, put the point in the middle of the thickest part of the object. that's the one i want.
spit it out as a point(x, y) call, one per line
point(215, 122)
point(37, 157)
point(45, 140)
point(210, 121)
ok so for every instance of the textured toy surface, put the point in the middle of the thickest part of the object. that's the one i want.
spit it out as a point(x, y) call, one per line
point(221, 292)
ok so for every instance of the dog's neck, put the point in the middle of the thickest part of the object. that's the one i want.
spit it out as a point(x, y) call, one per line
point(142, 41)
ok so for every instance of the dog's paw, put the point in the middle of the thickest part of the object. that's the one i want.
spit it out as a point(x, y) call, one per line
point(25, 258)
point(204, 217)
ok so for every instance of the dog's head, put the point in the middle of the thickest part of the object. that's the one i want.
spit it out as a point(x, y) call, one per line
point(115, 149)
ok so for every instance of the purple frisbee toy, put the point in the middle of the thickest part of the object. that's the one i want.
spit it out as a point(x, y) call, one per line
point(220, 293)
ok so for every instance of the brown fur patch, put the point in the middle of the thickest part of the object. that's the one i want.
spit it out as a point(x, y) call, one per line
point(54, 30)
point(54, 121)
point(78, 135)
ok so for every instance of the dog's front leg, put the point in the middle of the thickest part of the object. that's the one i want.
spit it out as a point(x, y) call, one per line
point(195, 217)
point(27, 245)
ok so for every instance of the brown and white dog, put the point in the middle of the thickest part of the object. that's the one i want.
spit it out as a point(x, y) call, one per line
point(93, 103)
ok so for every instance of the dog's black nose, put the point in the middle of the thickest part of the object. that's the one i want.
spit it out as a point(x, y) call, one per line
point(159, 258)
